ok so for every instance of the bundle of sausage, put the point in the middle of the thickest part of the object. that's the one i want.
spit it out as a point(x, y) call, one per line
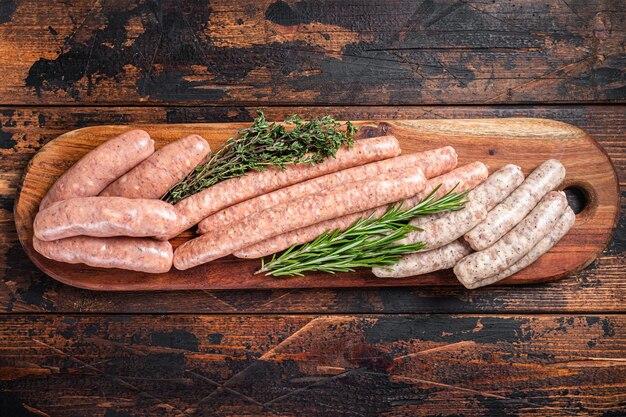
point(510, 222)
point(105, 210)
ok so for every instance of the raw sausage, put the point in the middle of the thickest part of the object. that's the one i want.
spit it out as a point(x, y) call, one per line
point(498, 186)
point(467, 177)
point(424, 262)
point(515, 244)
point(105, 217)
point(197, 207)
point(134, 254)
point(554, 235)
point(100, 167)
point(516, 206)
point(441, 229)
point(162, 170)
point(315, 185)
point(345, 199)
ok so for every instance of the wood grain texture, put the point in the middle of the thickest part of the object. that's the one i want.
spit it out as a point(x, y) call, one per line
point(527, 142)
point(312, 52)
point(390, 365)
point(600, 288)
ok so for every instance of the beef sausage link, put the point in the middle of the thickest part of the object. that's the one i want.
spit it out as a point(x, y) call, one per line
point(105, 217)
point(161, 171)
point(564, 224)
point(345, 199)
point(100, 167)
point(513, 245)
point(515, 207)
point(134, 254)
point(464, 178)
point(443, 228)
point(424, 262)
point(319, 184)
point(197, 207)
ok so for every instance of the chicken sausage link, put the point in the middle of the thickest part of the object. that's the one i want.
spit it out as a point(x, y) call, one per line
point(513, 245)
point(197, 207)
point(100, 167)
point(162, 170)
point(515, 207)
point(464, 178)
point(419, 263)
point(319, 184)
point(134, 254)
point(554, 235)
point(345, 199)
point(105, 217)
point(442, 228)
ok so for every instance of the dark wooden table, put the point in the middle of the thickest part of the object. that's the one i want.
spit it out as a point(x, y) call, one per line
point(551, 349)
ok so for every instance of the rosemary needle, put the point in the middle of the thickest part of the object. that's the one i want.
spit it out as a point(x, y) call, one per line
point(265, 145)
point(368, 242)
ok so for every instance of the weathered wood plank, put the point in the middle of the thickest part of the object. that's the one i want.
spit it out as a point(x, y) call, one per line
point(335, 365)
point(326, 52)
point(601, 288)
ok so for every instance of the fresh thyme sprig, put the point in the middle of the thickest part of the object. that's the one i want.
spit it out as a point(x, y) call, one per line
point(265, 145)
point(368, 242)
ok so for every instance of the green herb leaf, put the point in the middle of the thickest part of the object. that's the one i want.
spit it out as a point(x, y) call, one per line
point(368, 242)
point(265, 145)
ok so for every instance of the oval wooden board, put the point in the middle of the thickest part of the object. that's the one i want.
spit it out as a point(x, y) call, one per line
point(526, 142)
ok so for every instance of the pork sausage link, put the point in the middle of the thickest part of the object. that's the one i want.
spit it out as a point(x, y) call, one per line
point(197, 207)
point(467, 177)
point(424, 262)
point(498, 186)
point(162, 170)
point(513, 245)
point(554, 235)
point(442, 228)
point(100, 167)
point(516, 206)
point(105, 217)
point(345, 199)
point(134, 254)
point(319, 184)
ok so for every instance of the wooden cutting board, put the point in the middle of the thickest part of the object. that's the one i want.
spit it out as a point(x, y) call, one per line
point(526, 142)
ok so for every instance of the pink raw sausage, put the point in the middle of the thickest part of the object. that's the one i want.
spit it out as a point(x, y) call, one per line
point(319, 184)
point(105, 217)
point(162, 170)
point(100, 167)
point(134, 254)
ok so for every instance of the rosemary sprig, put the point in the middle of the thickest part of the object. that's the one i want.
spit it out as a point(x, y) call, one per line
point(265, 145)
point(368, 242)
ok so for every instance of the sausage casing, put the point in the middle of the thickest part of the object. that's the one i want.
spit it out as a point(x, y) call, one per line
point(516, 206)
point(134, 254)
point(100, 167)
point(464, 178)
point(424, 262)
point(319, 184)
point(345, 199)
point(161, 171)
point(560, 229)
point(197, 207)
point(515, 244)
point(105, 217)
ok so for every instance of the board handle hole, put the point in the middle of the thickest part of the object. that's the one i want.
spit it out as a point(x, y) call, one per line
point(577, 197)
